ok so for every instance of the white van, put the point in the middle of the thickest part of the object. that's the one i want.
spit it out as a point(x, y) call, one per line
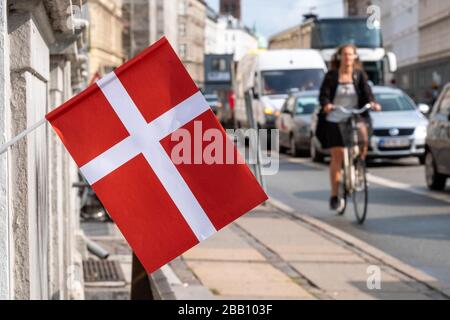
point(269, 76)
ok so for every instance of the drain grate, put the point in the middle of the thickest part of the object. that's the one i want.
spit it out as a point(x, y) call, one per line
point(102, 271)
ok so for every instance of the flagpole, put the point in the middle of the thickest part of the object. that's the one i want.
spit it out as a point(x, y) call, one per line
point(21, 135)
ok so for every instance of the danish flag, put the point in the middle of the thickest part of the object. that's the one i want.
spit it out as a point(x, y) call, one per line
point(119, 131)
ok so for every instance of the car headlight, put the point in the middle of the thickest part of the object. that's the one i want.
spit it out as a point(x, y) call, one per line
point(268, 111)
point(421, 132)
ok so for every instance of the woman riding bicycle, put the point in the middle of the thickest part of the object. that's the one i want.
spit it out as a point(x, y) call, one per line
point(345, 85)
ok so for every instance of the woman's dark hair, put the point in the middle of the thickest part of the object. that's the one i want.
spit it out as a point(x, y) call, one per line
point(336, 59)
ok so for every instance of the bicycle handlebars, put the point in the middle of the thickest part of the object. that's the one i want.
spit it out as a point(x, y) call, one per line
point(367, 107)
point(355, 111)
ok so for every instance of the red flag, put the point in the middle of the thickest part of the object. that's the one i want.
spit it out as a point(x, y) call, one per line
point(119, 132)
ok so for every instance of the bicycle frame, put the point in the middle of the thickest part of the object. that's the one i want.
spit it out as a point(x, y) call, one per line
point(350, 154)
point(354, 169)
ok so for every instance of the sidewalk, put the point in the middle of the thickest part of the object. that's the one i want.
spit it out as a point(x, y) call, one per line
point(272, 254)
point(118, 286)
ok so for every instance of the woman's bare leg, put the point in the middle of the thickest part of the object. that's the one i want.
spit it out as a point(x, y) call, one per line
point(337, 158)
point(364, 136)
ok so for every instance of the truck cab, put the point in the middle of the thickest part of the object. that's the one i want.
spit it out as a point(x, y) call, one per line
point(329, 34)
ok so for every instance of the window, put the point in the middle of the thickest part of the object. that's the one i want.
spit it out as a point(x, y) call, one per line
point(307, 105)
point(331, 33)
point(182, 6)
point(405, 81)
point(280, 82)
point(393, 102)
point(183, 50)
point(219, 65)
point(182, 29)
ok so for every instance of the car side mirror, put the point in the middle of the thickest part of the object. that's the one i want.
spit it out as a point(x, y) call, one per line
point(424, 108)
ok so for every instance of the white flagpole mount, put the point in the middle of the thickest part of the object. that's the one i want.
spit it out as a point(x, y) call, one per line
point(21, 135)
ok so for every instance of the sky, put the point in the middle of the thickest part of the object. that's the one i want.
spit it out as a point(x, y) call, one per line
point(272, 16)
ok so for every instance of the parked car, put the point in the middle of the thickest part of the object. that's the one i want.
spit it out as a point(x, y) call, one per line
point(294, 122)
point(437, 160)
point(399, 130)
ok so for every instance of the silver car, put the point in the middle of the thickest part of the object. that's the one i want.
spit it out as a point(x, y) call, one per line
point(399, 130)
point(294, 122)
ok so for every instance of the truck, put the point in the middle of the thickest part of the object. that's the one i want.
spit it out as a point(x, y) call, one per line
point(327, 34)
point(268, 76)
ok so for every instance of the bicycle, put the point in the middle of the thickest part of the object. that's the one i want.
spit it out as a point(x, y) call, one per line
point(354, 181)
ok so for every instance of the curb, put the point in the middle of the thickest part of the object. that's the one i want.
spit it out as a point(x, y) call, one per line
point(352, 241)
point(166, 285)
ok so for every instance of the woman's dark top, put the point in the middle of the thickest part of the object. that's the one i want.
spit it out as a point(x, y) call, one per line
point(360, 81)
point(333, 135)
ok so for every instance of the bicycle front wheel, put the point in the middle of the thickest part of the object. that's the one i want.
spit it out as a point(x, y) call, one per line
point(360, 192)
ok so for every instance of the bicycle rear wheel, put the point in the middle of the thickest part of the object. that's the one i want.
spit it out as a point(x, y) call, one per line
point(360, 193)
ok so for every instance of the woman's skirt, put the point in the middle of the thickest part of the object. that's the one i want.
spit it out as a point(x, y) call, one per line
point(339, 135)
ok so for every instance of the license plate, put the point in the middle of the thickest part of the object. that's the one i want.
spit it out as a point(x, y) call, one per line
point(394, 143)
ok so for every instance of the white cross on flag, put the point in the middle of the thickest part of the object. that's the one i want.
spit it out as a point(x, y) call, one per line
point(119, 131)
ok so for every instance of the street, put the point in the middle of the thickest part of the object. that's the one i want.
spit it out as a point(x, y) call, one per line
point(404, 219)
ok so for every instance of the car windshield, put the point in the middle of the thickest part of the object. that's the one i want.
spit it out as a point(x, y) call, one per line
point(333, 33)
point(394, 102)
point(282, 81)
point(211, 97)
point(306, 105)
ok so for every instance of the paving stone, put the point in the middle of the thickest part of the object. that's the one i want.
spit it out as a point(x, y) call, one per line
point(287, 237)
point(224, 245)
point(340, 277)
point(239, 279)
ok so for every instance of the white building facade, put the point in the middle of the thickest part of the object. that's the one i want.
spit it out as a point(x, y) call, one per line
point(417, 31)
point(234, 38)
point(211, 31)
point(41, 62)
point(400, 27)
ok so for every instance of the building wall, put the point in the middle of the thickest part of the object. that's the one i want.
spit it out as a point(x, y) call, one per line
point(164, 21)
point(434, 25)
point(231, 7)
point(399, 23)
point(105, 36)
point(29, 78)
point(297, 37)
point(191, 43)
point(146, 21)
point(136, 34)
point(39, 212)
point(5, 270)
point(289, 39)
point(182, 22)
point(234, 38)
point(356, 8)
point(171, 22)
point(211, 32)
point(417, 32)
